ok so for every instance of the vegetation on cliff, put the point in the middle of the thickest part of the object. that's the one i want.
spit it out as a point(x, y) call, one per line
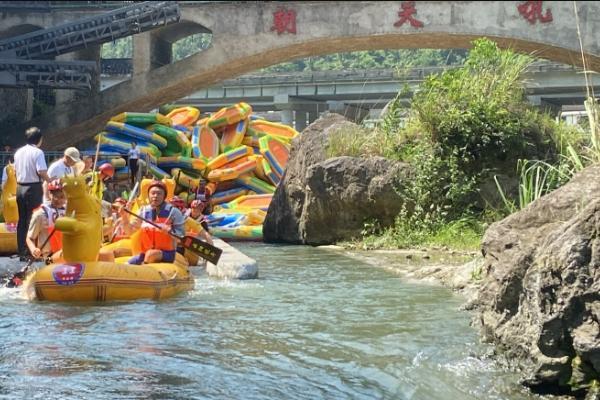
point(465, 127)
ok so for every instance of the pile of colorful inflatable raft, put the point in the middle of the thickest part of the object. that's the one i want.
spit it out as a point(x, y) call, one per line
point(239, 156)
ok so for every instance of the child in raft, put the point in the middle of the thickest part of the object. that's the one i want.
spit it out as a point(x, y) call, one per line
point(42, 226)
point(198, 211)
point(192, 228)
point(113, 229)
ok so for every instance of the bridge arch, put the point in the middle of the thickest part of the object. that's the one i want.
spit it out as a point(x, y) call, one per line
point(248, 37)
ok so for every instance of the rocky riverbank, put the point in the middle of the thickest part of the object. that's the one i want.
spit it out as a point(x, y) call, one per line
point(535, 291)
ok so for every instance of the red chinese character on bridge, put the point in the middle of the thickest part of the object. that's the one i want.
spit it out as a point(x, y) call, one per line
point(532, 12)
point(284, 21)
point(406, 14)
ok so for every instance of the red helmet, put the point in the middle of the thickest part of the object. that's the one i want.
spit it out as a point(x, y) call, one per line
point(160, 184)
point(107, 169)
point(55, 185)
point(119, 200)
point(198, 203)
point(178, 202)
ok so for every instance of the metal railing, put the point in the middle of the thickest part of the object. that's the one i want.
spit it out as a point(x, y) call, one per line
point(52, 156)
point(49, 155)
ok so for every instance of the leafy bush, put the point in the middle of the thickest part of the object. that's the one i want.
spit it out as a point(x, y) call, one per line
point(469, 123)
point(466, 125)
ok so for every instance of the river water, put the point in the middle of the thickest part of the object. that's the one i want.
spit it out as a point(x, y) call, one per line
point(316, 325)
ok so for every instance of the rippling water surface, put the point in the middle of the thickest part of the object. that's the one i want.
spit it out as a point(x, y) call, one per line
point(316, 325)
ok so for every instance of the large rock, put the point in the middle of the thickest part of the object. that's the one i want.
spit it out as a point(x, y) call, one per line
point(321, 201)
point(233, 264)
point(540, 296)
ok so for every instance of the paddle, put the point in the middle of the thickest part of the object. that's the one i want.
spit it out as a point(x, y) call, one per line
point(199, 247)
point(17, 278)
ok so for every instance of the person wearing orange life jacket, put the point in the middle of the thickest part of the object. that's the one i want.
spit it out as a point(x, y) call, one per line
point(42, 225)
point(156, 244)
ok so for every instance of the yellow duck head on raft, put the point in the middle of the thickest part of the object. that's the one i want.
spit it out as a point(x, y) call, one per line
point(82, 225)
point(9, 196)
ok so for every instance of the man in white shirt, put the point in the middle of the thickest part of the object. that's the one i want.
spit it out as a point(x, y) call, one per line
point(62, 167)
point(31, 170)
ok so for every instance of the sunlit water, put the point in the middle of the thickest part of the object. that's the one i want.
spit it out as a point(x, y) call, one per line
point(316, 325)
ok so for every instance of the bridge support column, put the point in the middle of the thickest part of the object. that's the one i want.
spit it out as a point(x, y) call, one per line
point(150, 52)
point(287, 117)
point(29, 105)
point(550, 108)
point(92, 53)
point(300, 120)
point(312, 116)
point(349, 111)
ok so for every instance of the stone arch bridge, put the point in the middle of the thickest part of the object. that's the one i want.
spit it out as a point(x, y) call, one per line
point(252, 35)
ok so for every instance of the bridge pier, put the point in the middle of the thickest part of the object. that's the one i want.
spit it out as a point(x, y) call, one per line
point(287, 117)
point(300, 120)
point(92, 53)
point(349, 111)
point(150, 52)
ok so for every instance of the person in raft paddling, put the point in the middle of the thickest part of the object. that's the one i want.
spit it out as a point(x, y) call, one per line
point(42, 225)
point(113, 226)
point(193, 226)
point(199, 209)
point(156, 244)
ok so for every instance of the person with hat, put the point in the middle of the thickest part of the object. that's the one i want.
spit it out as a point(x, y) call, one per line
point(42, 225)
point(30, 170)
point(156, 244)
point(64, 166)
point(179, 203)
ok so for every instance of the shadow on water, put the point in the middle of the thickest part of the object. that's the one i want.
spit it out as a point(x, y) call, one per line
point(317, 324)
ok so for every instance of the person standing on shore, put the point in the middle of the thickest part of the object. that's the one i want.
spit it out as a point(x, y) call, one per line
point(31, 170)
point(134, 156)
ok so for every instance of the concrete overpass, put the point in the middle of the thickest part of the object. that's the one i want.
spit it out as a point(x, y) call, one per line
point(298, 97)
point(249, 36)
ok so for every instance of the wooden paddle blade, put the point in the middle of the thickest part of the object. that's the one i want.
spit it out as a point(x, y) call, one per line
point(203, 249)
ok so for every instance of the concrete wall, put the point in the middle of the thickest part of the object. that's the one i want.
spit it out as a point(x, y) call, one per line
point(244, 40)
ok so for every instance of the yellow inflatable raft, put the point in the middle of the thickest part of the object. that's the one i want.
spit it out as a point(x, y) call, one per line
point(8, 229)
point(9, 196)
point(82, 278)
point(8, 238)
point(104, 281)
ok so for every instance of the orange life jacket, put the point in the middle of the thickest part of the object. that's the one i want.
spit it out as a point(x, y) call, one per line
point(51, 215)
point(152, 237)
